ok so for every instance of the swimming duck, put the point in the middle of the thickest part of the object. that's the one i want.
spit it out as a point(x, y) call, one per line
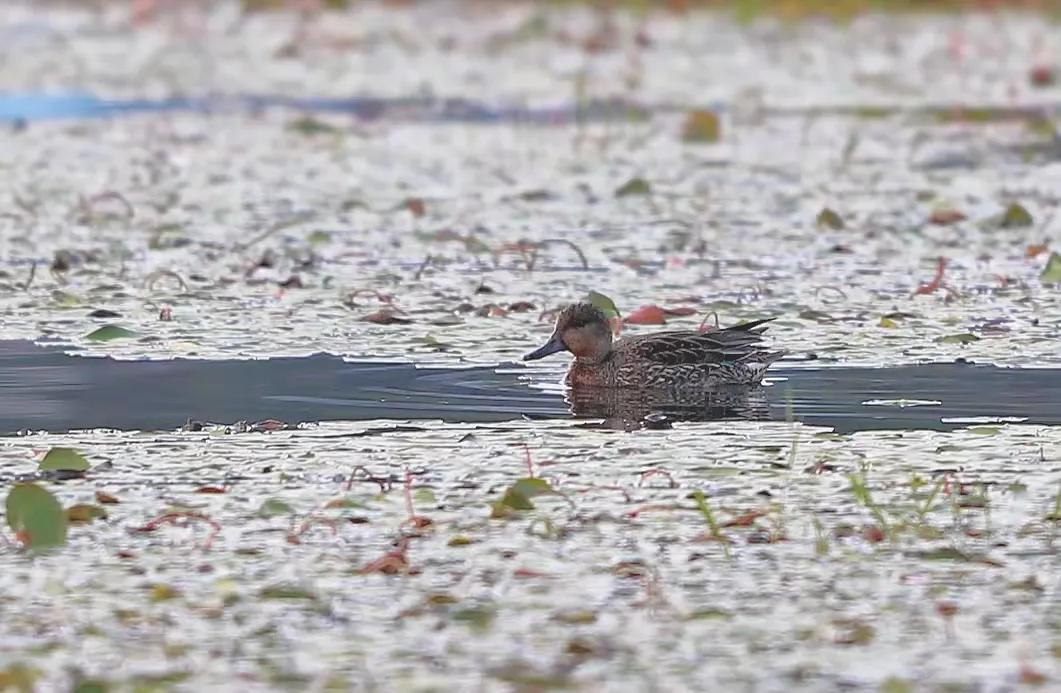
point(679, 359)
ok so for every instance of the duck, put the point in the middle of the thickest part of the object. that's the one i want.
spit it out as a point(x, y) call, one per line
point(680, 359)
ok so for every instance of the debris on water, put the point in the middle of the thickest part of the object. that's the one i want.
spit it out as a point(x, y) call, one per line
point(701, 126)
point(902, 403)
point(828, 219)
point(657, 421)
point(634, 186)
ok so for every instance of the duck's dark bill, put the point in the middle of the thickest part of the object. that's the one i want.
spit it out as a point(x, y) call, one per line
point(551, 347)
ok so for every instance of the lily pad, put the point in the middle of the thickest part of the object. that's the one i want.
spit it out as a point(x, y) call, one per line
point(65, 459)
point(828, 219)
point(518, 496)
point(961, 338)
point(308, 125)
point(274, 507)
point(634, 186)
point(1015, 217)
point(36, 517)
point(1052, 272)
point(108, 333)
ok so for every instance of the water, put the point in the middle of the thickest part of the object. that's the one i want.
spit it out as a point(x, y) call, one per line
point(56, 391)
point(27, 107)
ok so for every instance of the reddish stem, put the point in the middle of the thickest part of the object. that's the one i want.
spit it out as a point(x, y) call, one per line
point(651, 507)
point(312, 520)
point(415, 520)
point(704, 327)
point(937, 281)
point(174, 517)
point(658, 471)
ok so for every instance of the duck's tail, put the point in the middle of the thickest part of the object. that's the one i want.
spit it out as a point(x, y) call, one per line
point(756, 367)
point(754, 326)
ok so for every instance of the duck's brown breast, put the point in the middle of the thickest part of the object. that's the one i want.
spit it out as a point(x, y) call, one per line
point(584, 375)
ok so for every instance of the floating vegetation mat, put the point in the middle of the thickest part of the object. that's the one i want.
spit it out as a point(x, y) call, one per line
point(727, 555)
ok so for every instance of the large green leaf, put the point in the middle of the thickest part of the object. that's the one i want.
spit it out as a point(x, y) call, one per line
point(36, 516)
point(634, 186)
point(1015, 217)
point(604, 303)
point(66, 459)
point(518, 496)
point(108, 333)
point(1052, 272)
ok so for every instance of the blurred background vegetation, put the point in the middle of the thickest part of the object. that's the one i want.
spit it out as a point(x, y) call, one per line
point(742, 9)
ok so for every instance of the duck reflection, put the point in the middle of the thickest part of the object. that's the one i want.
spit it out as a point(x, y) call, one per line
point(629, 409)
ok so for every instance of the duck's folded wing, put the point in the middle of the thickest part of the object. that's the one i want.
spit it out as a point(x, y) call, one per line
point(677, 348)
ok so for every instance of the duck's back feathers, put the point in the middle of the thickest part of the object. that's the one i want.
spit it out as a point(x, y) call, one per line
point(737, 343)
point(734, 355)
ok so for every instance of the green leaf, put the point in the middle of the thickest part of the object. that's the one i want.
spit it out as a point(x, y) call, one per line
point(705, 510)
point(274, 507)
point(1052, 272)
point(478, 616)
point(816, 315)
point(36, 516)
point(109, 332)
point(286, 591)
point(828, 219)
point(701, 127)
point(425, 496)
point(161, 592)
point(91, 686)
point(634, 186)
point(66, 459)
point(946, 553)
point(319, 238)
point(84, 513)
point(1015, 216)
point(308, 125)
point(604, 303)
point(518, 496)
point(896, 685)
point(65, 299)
point(961, 338)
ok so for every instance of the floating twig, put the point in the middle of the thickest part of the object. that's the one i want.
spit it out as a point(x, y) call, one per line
point(530, 462)
point(32, 274)
point(835, 289)
point(87, 204)
point(554, 241)
point(429, 260)
point(278, 226)
point(152, 279)
point(348, 298)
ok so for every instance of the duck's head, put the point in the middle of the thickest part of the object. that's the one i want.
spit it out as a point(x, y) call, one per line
point(582, 329)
